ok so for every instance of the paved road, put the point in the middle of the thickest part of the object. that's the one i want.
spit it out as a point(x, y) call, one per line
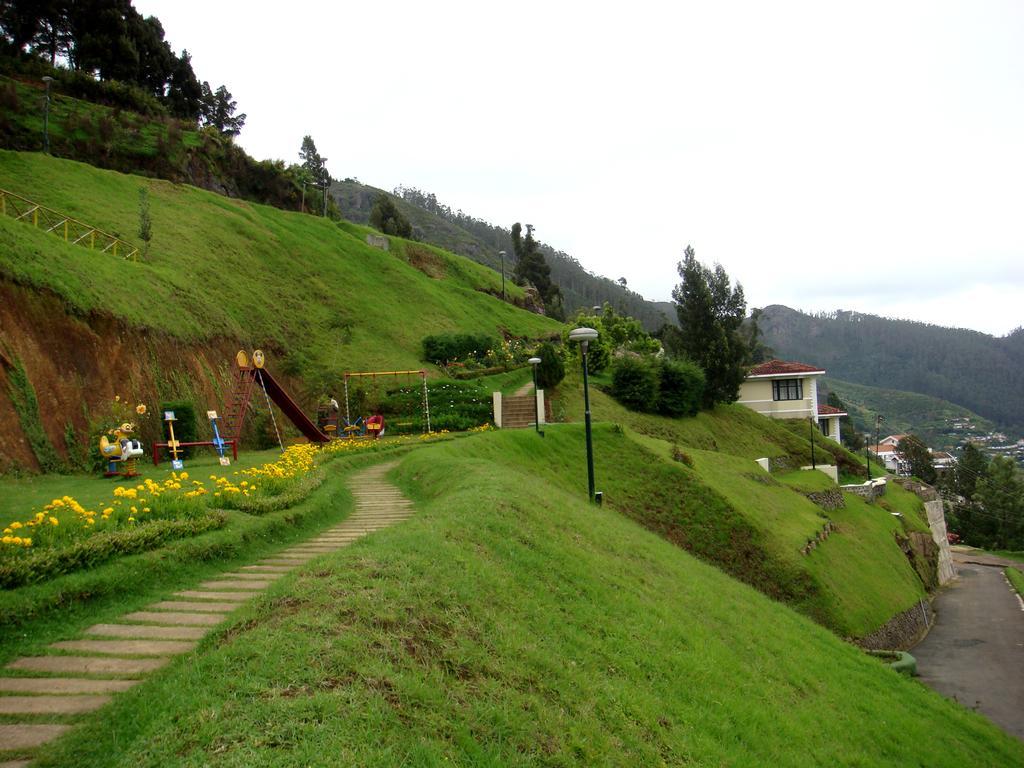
point(975, 651)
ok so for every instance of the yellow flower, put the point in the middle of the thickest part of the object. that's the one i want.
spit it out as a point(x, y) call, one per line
point(145, 509)
point(26, 542)
point(131, 519)
point(117, 398)
point(15, 525)
point(134, 511)
point(53, 521)
point(140, 409)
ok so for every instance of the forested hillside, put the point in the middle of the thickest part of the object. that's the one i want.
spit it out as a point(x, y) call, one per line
point(972, 369)
point(461, 233)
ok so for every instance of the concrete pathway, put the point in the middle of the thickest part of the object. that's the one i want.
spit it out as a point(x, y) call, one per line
point(143, 641)
point(975, 651)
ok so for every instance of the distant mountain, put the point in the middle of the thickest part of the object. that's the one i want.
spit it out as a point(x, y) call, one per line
point(975, 370)
point(941, 424)
point(456, 231)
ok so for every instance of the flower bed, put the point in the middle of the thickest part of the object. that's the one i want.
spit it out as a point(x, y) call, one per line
point(66, 535)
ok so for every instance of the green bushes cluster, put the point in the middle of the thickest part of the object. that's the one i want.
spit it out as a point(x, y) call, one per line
point(551, 369)
point(668, 387)
point(37, 565)
point(444, 348)
point(454, 405)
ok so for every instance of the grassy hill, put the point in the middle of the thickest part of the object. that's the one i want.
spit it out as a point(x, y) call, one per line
point(511, 623)
point(724, 508)
point(906, 412)
point(228, 268)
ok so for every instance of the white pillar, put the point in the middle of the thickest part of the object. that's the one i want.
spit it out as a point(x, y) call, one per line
point(497, 408)
point(540, 406)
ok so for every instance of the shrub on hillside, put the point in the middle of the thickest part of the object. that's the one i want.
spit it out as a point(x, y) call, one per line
point(443, 348)
point(635, 383)
point(680, 388)
point(551, 369)
point(454, 405)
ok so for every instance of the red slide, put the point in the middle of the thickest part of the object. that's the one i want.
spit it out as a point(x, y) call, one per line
point(289, 408)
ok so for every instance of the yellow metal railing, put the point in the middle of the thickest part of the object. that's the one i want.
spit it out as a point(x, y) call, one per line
point(72, 230)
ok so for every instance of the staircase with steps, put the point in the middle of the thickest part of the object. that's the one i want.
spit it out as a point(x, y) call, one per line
point(518, 411)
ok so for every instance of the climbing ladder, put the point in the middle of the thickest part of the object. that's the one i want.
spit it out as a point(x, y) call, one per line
point(72, 230)
point(236, 405)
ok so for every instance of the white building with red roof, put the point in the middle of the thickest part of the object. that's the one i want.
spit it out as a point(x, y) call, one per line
point(786, 390)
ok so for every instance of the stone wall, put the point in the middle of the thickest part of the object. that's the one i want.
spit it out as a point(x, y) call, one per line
point(870, 490)
point(902, 631)
point(829, 499)
point(945, 571)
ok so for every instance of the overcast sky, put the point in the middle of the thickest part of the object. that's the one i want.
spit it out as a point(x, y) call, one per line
point(864, 156)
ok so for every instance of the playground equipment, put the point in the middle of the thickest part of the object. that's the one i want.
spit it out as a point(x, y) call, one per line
point(123, 451)
point(425, 400)
point(173, 445)
point(247, 376)
point(218, 443)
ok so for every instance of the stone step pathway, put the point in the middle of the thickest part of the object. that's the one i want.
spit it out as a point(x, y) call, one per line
point(140, 642)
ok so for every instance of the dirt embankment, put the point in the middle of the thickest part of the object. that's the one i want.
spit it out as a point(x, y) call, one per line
point(77, 364)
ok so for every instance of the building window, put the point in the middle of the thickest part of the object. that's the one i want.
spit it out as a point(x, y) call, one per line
point(788, 389)
point(823, 423)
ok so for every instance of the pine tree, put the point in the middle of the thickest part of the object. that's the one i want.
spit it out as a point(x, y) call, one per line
point(315, 166)
point(532, 268)
point(710, 315)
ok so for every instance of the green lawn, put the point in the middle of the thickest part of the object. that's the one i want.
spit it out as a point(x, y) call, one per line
point(1016, 579)
point(509, 622)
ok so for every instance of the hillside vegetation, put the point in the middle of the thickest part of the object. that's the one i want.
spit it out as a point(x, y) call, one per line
point(905, 412)
point(481, 241)
point(704, 492)
point(971, 369)
point(311, 290)
point(512, 623)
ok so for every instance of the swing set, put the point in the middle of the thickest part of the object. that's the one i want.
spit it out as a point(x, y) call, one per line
point(361, 425)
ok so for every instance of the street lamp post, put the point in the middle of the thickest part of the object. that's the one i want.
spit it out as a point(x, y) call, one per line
point(502, 255)
point(878, 424)
point(584, 336)
point(535, 361)
point(867, 456)
point(325, 183)
point(46, 115)
point(813, 464)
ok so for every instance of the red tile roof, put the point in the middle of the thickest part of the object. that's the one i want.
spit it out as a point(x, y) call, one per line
point(777, 367)
point(830, 410)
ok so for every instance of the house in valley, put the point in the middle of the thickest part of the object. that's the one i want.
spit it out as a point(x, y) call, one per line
point(787, 390)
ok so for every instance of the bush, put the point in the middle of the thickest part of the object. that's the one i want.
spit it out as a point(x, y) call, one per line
point(635, 384)
point(443, 348)
point(43, 563)
point(551, 369)
point(680, 388)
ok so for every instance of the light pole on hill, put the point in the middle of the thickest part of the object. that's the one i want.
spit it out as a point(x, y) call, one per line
point(867, 456)
point(584, 336)
point(501, 254)
point(878, 424)
point(46, 115)
point(535, 361)
point(813, 464)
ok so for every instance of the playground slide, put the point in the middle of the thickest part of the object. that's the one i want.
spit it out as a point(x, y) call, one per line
point(289, 408)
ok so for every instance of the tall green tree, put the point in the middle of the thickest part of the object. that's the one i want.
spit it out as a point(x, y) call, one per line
point(219, 111)
point(711, 315)
point(314, 165)
point(532, 268)
point(915, 453)
point(1000, 495)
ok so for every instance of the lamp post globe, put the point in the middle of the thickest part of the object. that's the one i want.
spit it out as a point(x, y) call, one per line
point(583, 336)
point(535, 361)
